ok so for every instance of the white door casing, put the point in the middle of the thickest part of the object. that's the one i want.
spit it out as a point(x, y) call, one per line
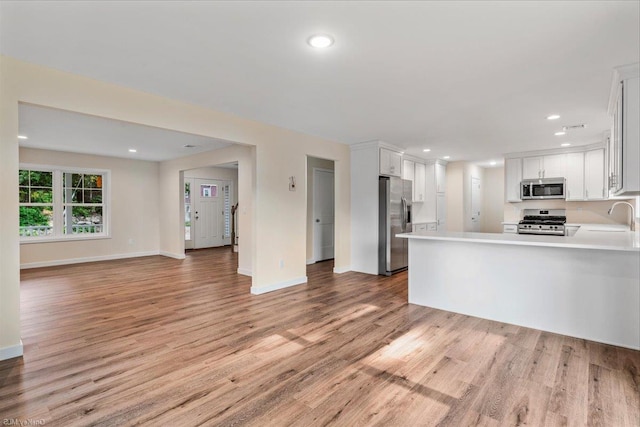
point(476, 202)
point(323, 214)
point(208, 214)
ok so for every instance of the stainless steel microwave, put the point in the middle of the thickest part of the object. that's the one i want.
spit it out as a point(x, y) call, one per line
point(543, 188)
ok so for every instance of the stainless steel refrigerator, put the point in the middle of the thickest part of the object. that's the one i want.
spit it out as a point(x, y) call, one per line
point(395, 218)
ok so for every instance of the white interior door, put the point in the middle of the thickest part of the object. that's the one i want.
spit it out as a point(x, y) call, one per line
point(208, 213)
point(323, 214)
point(476, 203)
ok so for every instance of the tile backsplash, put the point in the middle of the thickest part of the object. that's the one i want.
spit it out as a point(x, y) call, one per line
point(577, 212)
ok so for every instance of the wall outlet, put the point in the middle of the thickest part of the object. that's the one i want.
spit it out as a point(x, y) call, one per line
point(131, 241)
point(281, 263)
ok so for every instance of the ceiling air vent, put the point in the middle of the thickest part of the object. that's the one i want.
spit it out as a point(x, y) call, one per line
point(566, 128)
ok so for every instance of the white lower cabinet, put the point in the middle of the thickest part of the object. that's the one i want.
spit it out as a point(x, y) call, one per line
point(510, 228)
point(420, 227)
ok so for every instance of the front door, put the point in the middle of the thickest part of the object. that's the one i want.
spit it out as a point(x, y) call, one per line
point(208, 215)
point(323, 214)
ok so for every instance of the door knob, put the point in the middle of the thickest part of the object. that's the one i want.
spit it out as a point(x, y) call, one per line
point(317, 220)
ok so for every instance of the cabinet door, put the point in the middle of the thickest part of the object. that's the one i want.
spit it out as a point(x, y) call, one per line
point(407, 170)
point(510, 228)
point(615, 153)
point(554, 166)
point(440, 178)
point(419, 183)
point(441, 212)
point(531, 167)
point(390, 162)
point(575, 176)
point(512, 178)
point(429, 209)
point(594, 175)
point(419, 227)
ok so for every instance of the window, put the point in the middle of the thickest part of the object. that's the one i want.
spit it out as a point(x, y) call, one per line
point(61, 204)
point(187, 210)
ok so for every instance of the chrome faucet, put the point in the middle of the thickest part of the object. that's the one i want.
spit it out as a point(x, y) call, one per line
point(633, 215)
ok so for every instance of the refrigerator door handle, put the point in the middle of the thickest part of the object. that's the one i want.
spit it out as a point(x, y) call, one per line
point(404, 215)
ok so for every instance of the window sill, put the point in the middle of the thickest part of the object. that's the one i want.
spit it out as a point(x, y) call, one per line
point(28, 240)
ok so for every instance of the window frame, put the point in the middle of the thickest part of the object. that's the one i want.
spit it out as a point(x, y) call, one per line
point(58, 203)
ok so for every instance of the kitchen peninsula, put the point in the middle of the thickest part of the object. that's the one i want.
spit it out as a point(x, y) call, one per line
point(585, 286)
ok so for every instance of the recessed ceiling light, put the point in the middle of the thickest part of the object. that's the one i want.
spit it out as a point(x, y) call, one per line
point(426, 150)
point(402, 152)
point(133, 150)
point(559, 133)
point(320, 41)
point(493, 163)
point(553, 117)
point(446, 157)
point(22, 137)
point(565, 144)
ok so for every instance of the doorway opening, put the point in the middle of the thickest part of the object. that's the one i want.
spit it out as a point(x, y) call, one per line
point(320, 210)
point(210, 195)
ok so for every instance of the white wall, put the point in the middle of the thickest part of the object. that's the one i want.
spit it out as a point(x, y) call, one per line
point(275, 216)
point(455, 196)
point(198, 165)
point(471, 171)
point(493, 200)
point(224, 174)
point(133, 211)
point(312, 162)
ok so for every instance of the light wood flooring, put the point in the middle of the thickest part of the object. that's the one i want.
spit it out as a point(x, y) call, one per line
point(159, 341)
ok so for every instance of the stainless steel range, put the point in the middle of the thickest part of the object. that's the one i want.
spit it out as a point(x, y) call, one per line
point(540, 221)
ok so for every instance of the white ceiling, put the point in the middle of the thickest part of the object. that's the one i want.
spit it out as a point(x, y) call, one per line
point(60, 130)
point(472, 80)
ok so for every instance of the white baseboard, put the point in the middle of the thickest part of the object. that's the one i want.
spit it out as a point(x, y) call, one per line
point(277, 286)
point(245, 272)
point(172, 255)
point(311, 261)
point(11, 351)
point(85, 259)
point(340, 270)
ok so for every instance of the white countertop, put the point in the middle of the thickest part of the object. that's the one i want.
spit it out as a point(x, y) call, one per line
point(589, 236)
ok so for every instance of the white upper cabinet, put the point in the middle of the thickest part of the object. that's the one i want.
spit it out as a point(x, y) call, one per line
point(416, 173)
point(551, 166)
point(390, 162)
point(582, 167)
point(440, 178)
point(554, 166)
point(532, 167)
point(624, 107)
point(594, 181)
point(408, 169)
point(575, 176)
point(419, 182)
point(513, 176)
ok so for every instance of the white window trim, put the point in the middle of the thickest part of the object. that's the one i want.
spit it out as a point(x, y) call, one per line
point(57, 202)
